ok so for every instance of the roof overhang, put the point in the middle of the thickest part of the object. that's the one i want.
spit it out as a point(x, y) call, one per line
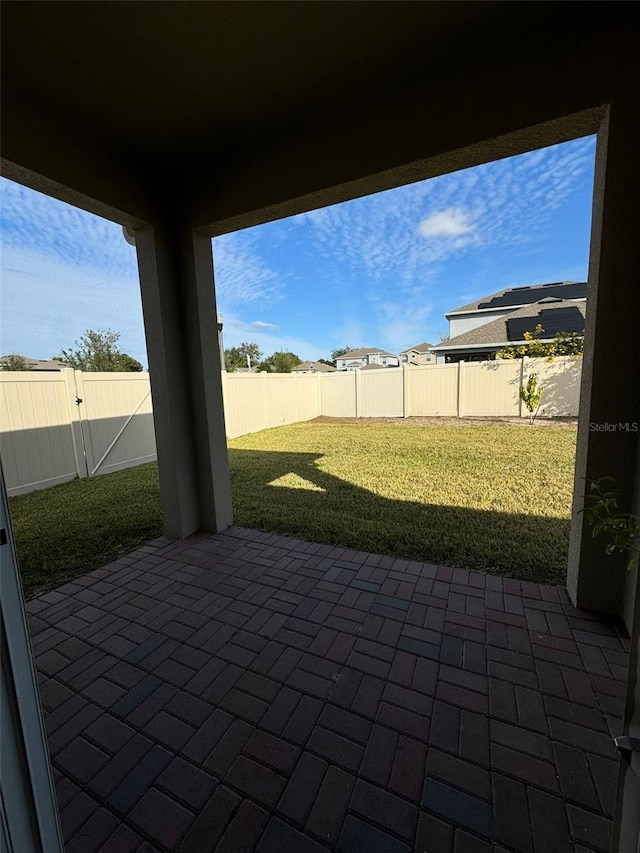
point(502, 345)
point(505, 308)
point(237, 113)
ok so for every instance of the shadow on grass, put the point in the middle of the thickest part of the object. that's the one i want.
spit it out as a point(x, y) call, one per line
point(69, 530)
point(288, 493)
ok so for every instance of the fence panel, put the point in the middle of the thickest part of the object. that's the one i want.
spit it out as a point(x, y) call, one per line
point(281, 401)
point(36, 438)
point(256, 401)
point(43, 432)
point(432, 390)
point(245, 403)
point(117, 420)
point(560, 383)
point(307, 395)
point(381, 393)
point(338, 394)
point(490, 388)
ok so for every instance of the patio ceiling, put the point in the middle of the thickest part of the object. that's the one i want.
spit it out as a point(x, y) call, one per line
point(186, 120)
point(199, 102)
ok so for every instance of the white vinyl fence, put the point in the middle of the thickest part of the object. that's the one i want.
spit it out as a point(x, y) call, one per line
point(255, 401)
point(65, 424)
point(37, 440)
point(466, 389)
point(60, 425)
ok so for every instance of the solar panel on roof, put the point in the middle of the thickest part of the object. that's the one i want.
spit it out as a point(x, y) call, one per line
point(526, 295)
point(552, 320)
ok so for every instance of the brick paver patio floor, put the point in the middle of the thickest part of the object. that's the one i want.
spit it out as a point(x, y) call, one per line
point(246, 692)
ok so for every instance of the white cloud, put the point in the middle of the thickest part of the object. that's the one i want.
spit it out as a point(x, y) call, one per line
point(382, 237)
point(446, 223)
point(395, 247)
point(379, 260)
point(63, 232)
point(241, 273)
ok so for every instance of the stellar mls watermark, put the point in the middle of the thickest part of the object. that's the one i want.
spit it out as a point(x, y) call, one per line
point(621, 426)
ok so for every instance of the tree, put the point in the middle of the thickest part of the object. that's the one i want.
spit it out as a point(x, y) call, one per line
point(338, 353)
point(531, 394)
point(232, 359)
point(98, 351)
point(246, 355)
point(563, 343)
point(15, 361)
point(129, 364)
point(280, 362)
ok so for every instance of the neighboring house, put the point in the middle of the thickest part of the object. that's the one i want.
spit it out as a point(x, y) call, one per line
point(313, 367)
point(420, 354)
point(245, 370)
point(504, 302)
point(365, 356)
point(38, 363)
point(483, 342)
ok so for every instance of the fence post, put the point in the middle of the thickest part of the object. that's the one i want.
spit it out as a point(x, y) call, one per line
point(358, 392)
point(459, 405)
point(405, 390)
point(73, 379)
point(520, 385)
point(319, 392)
point(265, 399)
point(225, 405)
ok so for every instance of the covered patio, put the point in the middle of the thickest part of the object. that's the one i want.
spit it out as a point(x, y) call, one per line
point(244, 691)
point(231, 691)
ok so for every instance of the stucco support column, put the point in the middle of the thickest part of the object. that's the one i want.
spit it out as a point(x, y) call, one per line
point(610, 393)
point(179, 307)
point(626, 823)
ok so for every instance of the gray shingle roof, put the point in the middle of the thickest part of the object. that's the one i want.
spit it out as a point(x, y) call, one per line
point(561, 315)
point(364, 351)
point(526, 295)
point(38, 363)
point(425, 347)
point(318, 366)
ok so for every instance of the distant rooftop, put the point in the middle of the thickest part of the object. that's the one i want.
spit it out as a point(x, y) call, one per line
point(375, 367)
point(425, 347)
point(318, 366)
point(37, 363)
point(364, 351)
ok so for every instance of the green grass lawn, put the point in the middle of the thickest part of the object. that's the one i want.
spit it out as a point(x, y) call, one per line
point(493, 497)
point(68, 530)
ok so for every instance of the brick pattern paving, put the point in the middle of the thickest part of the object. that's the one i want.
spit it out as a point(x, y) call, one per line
point(251, 692)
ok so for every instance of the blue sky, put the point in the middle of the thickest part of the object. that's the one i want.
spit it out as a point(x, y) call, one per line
point(377, 271)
